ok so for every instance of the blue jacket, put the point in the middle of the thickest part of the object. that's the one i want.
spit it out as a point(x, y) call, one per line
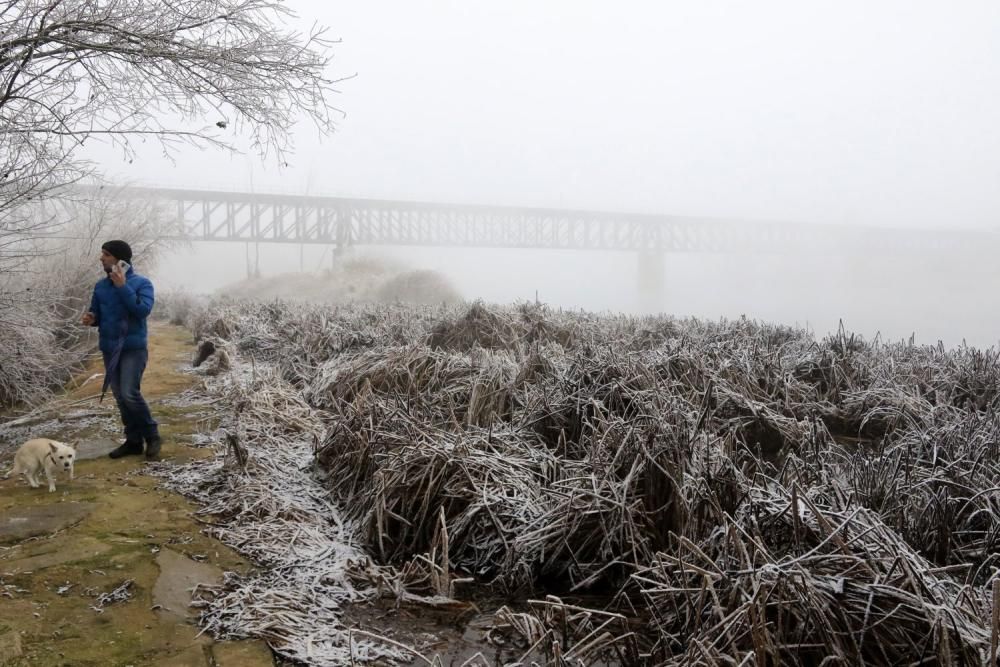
point(133, 302)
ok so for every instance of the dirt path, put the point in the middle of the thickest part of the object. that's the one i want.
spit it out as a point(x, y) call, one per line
point(59, 552)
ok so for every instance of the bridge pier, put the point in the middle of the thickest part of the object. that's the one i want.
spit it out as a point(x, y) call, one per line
point(652, 276)
point(253, 267)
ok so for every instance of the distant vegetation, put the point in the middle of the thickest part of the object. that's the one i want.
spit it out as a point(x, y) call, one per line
point(42, 298)
point(360, 279)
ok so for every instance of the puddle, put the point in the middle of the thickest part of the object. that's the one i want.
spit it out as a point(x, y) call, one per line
point(455, 638)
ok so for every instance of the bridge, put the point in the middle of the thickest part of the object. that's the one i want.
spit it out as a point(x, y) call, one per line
point(343, 223)
point(212, 215)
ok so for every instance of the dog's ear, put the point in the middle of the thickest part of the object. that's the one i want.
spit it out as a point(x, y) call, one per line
point(73, 445)
point(53, 447)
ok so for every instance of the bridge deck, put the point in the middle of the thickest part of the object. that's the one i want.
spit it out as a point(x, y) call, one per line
point(203, 215)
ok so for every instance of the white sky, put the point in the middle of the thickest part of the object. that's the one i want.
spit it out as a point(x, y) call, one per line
point(867, 112)
point(884, 113)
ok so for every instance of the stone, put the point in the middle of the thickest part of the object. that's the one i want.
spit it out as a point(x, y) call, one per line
point(95, 449)
point(178, 576)
point(20, 523)
point(67, 551)
point(10, 647)
point(247, 653)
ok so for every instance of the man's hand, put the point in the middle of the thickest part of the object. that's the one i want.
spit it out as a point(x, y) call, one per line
point(88, 319)
point(117, 277)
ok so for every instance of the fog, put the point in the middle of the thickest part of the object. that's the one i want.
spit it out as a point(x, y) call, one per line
point(825, 112)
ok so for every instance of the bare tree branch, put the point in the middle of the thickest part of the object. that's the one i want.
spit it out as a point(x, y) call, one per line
point(183, 71)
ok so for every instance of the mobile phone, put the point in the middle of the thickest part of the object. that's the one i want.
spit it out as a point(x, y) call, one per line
point(123, 266)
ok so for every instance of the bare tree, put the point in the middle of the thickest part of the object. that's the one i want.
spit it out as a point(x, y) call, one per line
point(179, 71)
point(175, 69)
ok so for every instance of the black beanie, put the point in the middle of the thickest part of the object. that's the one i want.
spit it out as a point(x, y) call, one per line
point(119, 249)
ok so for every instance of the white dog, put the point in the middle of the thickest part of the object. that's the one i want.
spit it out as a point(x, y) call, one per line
point(43, 454)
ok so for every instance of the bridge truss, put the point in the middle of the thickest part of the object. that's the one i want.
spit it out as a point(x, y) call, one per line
point(203, 215)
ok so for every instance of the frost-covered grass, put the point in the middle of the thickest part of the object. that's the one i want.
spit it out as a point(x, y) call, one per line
point(736, 491)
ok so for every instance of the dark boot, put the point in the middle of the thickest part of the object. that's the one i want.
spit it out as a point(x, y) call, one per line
point(127, 449)
point(153, 448)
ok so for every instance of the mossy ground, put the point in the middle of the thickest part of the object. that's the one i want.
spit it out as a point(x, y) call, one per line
point(132, 520)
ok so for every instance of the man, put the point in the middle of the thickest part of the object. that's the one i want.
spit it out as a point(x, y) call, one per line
point(121, 303)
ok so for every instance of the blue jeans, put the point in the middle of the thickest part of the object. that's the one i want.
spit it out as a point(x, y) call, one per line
point(125, 381)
